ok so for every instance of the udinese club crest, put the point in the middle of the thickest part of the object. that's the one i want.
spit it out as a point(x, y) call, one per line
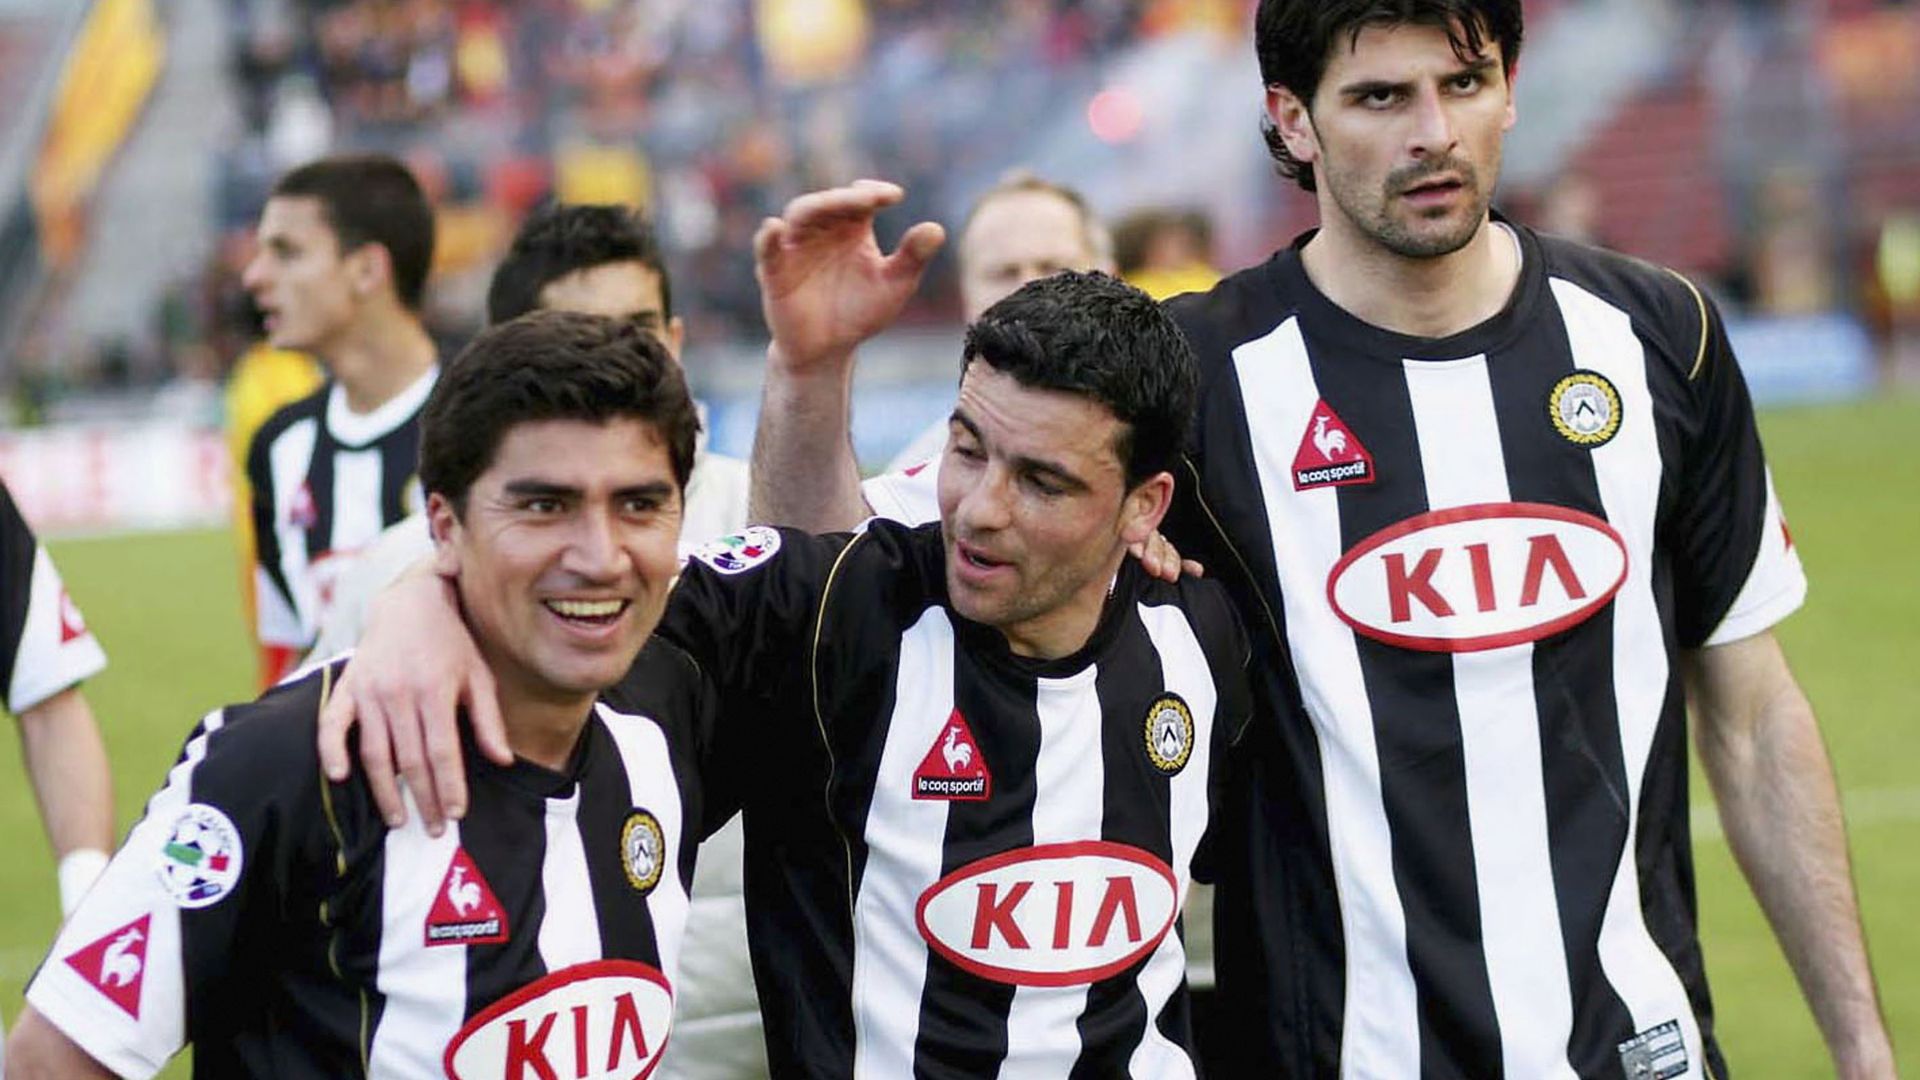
point(1585, 409)
point(1169, 733)
point(643, 850)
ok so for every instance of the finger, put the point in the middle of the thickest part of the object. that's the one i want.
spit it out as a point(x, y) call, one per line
point(917, 248)
point(766, 239)
point(376, 760)
point(483, 712)
point(835, 207)
point(410, 756)
point(439, 721)
point(1192, 568)
point(336, 719)
point(1164, 562)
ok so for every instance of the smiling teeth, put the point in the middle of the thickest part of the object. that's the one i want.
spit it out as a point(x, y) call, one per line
point(587, 609)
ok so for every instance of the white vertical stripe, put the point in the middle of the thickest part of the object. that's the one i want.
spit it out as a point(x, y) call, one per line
point(1189, 675)
point(904, 837)
point(1381, 1023)
point(1043, 1037)
point(650, 779)
point(570, 930)
point(356, 498)
point(1629, 471)
point(1460, 456)
point(420, 1016)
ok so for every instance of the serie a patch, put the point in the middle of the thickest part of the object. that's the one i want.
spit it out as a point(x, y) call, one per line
point(1655, 1054)
point(1585, 409)
point(1169, 733)
point(200, 862)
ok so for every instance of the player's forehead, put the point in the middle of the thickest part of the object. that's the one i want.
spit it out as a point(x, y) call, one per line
point(296, 219)
point(579, 455)
point(1397, 52)
point(1019, 226)
point(624, 289)
point(1018, 420)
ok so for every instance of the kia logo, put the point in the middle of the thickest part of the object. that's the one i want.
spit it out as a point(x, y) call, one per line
point(1053, 914)
point(599, 1020)
point(1479, 577)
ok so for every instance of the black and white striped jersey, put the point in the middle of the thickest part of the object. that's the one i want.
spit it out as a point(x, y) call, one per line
point(960, 862)
point(45, 646)
point(326, 481)
point(273, 920)
point(1458, 842)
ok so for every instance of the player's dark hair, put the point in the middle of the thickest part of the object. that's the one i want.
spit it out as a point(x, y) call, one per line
point(1294, 40)
point(550, 365)
point(1096, 336)
point(557, 240)
point(372, 199)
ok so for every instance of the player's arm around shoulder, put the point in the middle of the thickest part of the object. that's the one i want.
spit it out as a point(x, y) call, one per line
point(164, 927)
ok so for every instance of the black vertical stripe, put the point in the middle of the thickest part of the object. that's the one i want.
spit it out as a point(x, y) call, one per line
point(1136, 810)
point(504, 833)
point(1584, 772)
point(17, 551)
point(319, 480)
point(606, 802)
point(1416, 723)
point(963, 1017)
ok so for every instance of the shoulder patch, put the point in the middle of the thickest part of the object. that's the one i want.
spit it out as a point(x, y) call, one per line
point(200, 862)
point(740, 552)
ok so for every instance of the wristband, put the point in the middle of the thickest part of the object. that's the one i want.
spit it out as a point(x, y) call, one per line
point(77, 873)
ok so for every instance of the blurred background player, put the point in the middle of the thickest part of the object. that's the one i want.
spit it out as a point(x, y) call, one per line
point(344, 245)
point(603, 260)
point(45, 653)
point(1022, 228)
point(1165, 252)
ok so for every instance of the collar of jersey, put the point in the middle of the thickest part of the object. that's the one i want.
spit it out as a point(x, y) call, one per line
point(526, 777)
point(353, 429)
point(1321, 318)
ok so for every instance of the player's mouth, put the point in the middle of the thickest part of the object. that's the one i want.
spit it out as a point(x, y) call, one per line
point(974, 565)
point(1435, 190)
point(588, 615)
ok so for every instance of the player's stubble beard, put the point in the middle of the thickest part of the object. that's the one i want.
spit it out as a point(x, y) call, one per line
point(1375, 217)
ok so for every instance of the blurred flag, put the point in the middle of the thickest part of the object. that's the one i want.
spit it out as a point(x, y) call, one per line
point(109, 73)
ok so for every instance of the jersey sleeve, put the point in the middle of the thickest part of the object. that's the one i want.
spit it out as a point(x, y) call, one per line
point(150, 954)
point(45, 646)
point(1736, 572)
point(744, 609)
point(910, 496)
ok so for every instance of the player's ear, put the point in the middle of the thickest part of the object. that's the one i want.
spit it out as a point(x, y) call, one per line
point(370, 268)
point(1145, 507)
point(443, 524)
point(674, 335)
point(1293, 121)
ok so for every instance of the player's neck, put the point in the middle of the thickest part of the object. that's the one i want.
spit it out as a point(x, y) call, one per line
point(1067, 628)
point(1421, 297)
point(543, 730)
point(379, 356)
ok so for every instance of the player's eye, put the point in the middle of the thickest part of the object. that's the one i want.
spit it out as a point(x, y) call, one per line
point(642, 505)
point(542, 505)
point(1379, 97)
point(1045, 485)
point(1466, 82)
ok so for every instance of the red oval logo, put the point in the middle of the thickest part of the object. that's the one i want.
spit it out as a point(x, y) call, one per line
point(1479, 577)
point(601, 1019)
point(1052, 914)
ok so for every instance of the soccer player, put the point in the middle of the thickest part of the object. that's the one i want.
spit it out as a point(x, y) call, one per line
point(974, 757)
point(344, 248)
point(273, 920)
point(1021, 229)
point(1495, 507)
point(592, 258)
point(46, 651)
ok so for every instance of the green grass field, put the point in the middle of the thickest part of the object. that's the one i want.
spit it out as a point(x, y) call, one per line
point(168, 609)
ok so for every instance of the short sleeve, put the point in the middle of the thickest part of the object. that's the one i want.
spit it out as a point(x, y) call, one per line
point(1736, 572)
point(155, 941)
point(45, 646)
